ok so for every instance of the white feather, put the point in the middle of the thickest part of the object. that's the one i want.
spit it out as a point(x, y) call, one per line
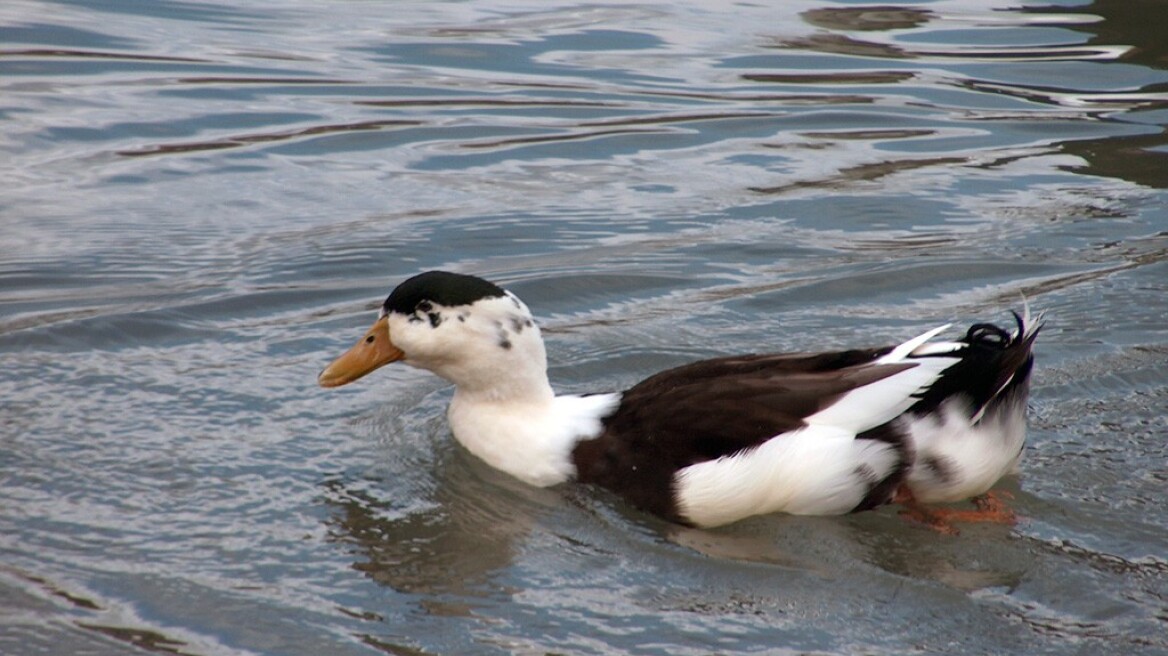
point(879, 402)
point(816, 470)
point(531, 441)
point(936, 348)
point(972, 455)
point(899, 353)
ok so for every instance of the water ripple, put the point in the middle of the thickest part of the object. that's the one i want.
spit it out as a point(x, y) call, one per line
point(204, 202)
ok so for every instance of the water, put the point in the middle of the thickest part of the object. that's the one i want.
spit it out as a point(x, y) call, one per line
point(203, 202)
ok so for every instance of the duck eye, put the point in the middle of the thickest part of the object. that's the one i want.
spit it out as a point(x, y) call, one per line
point(369, 339)
point(424, 306)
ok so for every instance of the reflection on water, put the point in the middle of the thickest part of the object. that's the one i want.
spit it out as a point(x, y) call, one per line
point(203, 201)
point(469, 532)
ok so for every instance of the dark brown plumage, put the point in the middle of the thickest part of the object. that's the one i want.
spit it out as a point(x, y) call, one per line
point(714, 408)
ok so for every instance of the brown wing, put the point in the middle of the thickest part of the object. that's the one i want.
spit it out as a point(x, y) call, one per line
point(714, 408)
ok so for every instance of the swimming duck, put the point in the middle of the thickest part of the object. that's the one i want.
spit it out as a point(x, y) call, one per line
point(712, 442)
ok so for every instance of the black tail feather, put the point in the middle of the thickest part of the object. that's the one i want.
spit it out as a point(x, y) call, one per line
point(995, 364)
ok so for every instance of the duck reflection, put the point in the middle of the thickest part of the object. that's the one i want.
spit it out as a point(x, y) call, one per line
point(458, 536)
point(446, 531)
point(837, 548)
point(435, 521)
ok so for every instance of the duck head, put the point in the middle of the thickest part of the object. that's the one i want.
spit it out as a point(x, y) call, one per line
point(467, 330)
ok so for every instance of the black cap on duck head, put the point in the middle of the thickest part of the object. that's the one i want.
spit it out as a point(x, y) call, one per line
point(440, 287)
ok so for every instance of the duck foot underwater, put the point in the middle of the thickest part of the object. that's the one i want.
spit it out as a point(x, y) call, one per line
point(990, 508)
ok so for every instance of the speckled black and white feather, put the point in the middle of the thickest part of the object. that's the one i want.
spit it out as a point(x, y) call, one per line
point(967, 430)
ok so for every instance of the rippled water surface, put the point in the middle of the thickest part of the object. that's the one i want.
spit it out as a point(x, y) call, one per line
point(203, 202)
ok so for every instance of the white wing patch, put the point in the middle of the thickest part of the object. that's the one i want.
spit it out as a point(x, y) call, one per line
point(882, 401)
point(816, 470)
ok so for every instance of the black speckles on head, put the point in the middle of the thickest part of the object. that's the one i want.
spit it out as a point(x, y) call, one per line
point(435, 319)
point(503, 338)
point(440, 288)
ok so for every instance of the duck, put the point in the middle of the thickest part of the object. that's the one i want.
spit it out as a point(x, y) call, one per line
point(923, 422)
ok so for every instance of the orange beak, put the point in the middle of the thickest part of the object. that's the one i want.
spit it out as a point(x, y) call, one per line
point(375, 350)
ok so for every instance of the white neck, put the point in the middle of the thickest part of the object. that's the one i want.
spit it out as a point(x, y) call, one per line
point(515, 375)
point(531, 440)
point(507, 414)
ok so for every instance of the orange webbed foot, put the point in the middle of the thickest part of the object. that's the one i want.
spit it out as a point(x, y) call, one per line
point(989, 508)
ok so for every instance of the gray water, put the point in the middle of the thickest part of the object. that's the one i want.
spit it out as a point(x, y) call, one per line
point(203, 202)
